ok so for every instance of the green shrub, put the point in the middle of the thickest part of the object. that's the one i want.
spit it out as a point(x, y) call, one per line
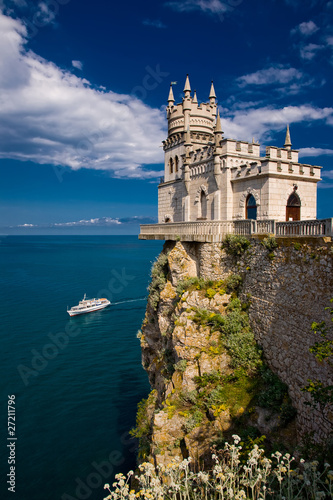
point(233, 283)
point(270, 243)
point(210, 293)
point(273, 392)
point(297, 246)
point(193, 421)
point(181, 365)
point(235, 245)
point(159, 274)
point(189, 283)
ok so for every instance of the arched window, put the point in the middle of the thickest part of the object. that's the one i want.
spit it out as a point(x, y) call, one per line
point(203, 205)
point(251, 207)
point(293, 209)
point(176, 163)
point(171, 166)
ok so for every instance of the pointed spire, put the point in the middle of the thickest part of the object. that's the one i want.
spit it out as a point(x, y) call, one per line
point(171, 98)
point(195, 99)
point(287, 143)
point(187, 87)
point(212, 94)
point(218, 127)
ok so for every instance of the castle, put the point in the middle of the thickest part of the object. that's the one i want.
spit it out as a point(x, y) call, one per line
point(208, 177)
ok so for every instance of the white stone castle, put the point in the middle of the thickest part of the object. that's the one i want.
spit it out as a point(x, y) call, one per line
point(213, 186)
point(208, 177)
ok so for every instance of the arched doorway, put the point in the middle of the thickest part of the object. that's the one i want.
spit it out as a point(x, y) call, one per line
point(293, 209)
point(251, 207)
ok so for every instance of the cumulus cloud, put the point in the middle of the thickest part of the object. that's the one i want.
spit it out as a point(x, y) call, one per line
point(50, 116)
point(77, 64)
point(306, 28)
point(274, 74)
point(205, 6)
point(309, 51)
point(260, 122)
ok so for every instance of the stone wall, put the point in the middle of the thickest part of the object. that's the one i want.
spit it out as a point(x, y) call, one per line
point(288, 290)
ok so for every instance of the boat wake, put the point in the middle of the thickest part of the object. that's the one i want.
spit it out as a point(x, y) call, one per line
point(126, 301)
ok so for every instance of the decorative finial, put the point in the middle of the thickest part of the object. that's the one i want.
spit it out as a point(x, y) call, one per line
point(287, 143)
point(212, 94)
point(171, 98)
point(195, 99)
point(187, 87)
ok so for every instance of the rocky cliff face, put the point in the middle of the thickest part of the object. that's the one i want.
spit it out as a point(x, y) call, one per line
point(208, 374)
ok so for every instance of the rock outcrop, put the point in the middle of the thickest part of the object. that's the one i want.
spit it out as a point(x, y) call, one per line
point(201, 391)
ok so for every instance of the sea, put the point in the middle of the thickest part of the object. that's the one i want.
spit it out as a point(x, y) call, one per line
point(73, 384)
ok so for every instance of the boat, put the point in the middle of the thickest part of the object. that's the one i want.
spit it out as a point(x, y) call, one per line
point(88, 305)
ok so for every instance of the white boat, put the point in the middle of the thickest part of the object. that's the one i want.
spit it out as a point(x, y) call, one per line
point(88, 305)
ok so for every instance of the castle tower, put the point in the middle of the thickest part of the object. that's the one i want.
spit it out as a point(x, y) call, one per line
point(191, 128)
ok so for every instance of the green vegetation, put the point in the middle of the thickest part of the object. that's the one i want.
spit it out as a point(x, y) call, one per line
point(159, 275)
point(321, 393)
point(231, 284)
point(181, 365)
point(142, 429)
point(235, 245)
point(270, 243)
point(235, 334)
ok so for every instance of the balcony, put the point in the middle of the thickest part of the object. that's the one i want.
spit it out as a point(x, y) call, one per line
point(215, 231)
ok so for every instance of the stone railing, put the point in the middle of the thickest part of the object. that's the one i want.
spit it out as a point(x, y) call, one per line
point(214, 231)
point(323, 227)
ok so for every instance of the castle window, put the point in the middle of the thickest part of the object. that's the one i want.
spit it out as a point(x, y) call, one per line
point(251, 207)
point(293, 209)
point(176, 163)
point(238, 146)
point(171, 166)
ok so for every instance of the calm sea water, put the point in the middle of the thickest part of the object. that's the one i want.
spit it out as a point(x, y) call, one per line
point(77, 381)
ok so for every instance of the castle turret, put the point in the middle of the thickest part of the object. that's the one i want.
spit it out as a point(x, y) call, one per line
point(287, 142)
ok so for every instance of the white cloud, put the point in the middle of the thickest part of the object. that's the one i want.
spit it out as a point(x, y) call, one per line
point(306, 28)
point(206, 6)
point(329, 40)
point(77, 64)
point(96, 222)
point(101, 221)
point(315, 152)
point(45, 13)
point(155, 23)
point(308, 52)
point(260, 122)
point(277, 74)
point(50, 116)
point(328, 174)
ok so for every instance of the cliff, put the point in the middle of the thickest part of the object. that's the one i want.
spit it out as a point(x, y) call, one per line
point(225, 343)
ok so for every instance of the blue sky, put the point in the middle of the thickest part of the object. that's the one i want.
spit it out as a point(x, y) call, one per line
point(83, 89)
